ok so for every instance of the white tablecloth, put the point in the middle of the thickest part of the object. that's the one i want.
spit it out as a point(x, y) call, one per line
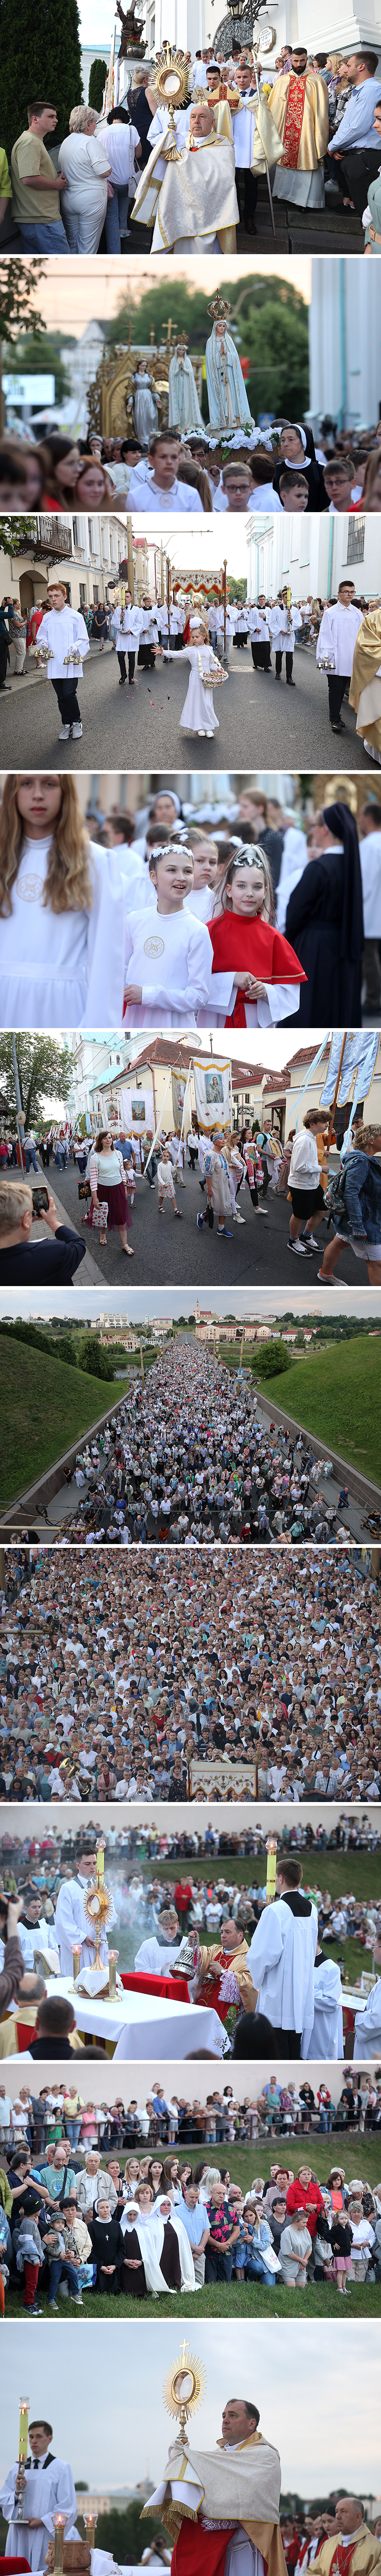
point(139, 2025)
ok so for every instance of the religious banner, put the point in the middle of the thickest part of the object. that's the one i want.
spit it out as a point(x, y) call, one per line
point(137, 1109)
point(179, 1084)
point(212, 1089)
point(359, 1059)
point(231, 1779)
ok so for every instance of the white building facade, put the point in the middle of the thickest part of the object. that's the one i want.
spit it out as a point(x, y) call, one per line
point(85, 552)
point(344, 335)
point(313, 554)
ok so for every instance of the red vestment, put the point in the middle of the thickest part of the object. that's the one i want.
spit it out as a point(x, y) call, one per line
point(256, 945)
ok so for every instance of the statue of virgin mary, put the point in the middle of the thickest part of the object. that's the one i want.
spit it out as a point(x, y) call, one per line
point(228, 404)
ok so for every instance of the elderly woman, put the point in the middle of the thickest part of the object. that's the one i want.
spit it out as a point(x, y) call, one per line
point(86, 167)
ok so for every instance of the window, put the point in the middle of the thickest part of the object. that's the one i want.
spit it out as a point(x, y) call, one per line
point(82, 594)
point(95, 593)
point(76, 538)
point(356, 540)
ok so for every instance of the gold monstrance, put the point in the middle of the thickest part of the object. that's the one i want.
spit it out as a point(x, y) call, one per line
point(170, 86)
point(184, 2386)
point(98, 1905)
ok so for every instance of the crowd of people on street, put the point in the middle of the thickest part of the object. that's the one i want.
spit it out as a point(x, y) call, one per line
point(325, 109)
point(124, 1697)
point(73, 2220)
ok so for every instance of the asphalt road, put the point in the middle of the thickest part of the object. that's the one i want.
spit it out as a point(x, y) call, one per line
point(255, 1256)
point(263, 724)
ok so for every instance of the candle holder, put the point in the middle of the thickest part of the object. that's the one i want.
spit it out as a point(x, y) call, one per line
point(90, 2519)
point(76, 1947)
point(98, 1906)
point(23, 2452)
point(112, 1964)
point(271, 1848)
point(59, 2521)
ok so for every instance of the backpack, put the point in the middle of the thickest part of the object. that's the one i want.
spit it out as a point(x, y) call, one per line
point(334, 1195)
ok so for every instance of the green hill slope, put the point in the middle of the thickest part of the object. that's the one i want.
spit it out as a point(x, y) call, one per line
point(45, 1405)
point(337, 1394)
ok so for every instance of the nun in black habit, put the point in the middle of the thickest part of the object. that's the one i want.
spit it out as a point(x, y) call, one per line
point(107, 2246)
point(298, 453)
point(324, 922)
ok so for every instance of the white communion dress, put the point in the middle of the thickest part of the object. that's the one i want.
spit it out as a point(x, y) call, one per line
point(198, 713)
point(62, 969)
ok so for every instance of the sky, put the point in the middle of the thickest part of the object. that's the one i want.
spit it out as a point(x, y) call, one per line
point(222, 539)
point(142, 1303)
point(96, 290)
point(171, 1820)
point(319, 2395)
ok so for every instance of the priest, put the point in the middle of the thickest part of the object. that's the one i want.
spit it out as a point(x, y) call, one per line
point(219, 1965)
point(299, 107)
point(71, 1919)
point(213, 2502)
point(190, 201)
point(48, 2489)
point(281, 1960)
point(355, 2551)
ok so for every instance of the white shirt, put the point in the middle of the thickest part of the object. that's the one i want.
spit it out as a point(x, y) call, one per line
point(86, 166)
point(370, 859)
point(243, 130)
point(281, 1963)
point(337, 637)
point(119, 143)
point(171, 958)
point(64, 633)
point(304, 1172)
point(148, 496)
point(62, 969)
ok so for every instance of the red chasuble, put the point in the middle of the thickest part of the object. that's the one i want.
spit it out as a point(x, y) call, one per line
point(200, 2553)
point(293, 122)
point(259, 947)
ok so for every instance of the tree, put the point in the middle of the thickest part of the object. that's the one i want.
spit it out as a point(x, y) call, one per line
point(40, 57)
point(19, 280)
point(42, 357)
point(45, 1072)
point(12, 532)
point(271, 1360)
point(123, 2533)
point(98, 76)
point(94, 1359)
point(269, 322)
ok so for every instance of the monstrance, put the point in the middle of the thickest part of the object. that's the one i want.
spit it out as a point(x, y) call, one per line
point(170, 87)
point(98, 1911)
point(184, 2386)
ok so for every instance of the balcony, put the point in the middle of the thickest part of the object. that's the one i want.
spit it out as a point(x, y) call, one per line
point(45, 538)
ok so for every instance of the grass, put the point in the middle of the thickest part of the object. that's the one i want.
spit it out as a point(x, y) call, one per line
point(228, 2299)
point(336, 1870)
point(338, 1398)
point(46, 1405)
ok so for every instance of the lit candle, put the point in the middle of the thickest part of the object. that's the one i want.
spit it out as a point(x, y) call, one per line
point(23, 2428)
point(90, 2519)
point(271, 1849)
point(100, 1861)
point(112, 1967)
point(76, 1954)
point(59, 2521)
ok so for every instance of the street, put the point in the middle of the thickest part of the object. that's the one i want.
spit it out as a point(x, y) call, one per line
point(255, 1255)
point(262, 723)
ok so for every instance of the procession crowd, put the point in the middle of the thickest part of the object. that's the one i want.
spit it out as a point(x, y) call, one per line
point(317, 122)
point(220, 470)
point(122, 1696)
point(186, 1461)
point(70, 2221)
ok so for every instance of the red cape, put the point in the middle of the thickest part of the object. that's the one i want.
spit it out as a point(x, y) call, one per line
point(259, 946)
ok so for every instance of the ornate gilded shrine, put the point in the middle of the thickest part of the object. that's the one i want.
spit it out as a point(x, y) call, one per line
point(110, 400)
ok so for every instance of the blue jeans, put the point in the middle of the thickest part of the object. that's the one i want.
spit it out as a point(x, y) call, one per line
point(323, 2119)
point(72, 2129)
point(47, 237)
point(257, 2271)
point(67, 2272)
point(30, 1157)
point(116, 217)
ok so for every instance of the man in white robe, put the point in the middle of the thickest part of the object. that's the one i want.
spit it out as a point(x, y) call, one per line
point(233, 2491)
point(326, 2038)
point(335, 646)
point(71, 1919)
point(49, 2488)
point(281, 1959)
point(368, 2024)
point(192, 207)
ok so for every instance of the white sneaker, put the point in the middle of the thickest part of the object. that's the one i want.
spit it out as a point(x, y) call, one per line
point(64, 735)
point(240, 1220)
point(311, 1238)
point(209, 733)
point(76, 731)
point(201, 733)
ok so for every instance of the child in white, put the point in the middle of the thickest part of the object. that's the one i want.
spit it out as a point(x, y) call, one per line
point(167, 1193)
point(198, 713)
point(64, 642)
point(168, 956)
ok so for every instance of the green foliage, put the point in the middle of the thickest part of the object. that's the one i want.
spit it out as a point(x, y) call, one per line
point(338, 1398)
point(98, 76)
point(94, 1359)
point(271, 1360)
point(44, 1070)
point(19, 280)
point(40, 57)
point(24, 1332)
point(44, 1412)
point(12, 532)
point(236, 589)
point(124, 2533)
point(272, 331)
point(40, 357)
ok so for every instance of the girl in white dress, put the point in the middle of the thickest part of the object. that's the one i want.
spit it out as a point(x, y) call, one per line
point(61, 911)
point(167, 1193)
point(168, 955)
point(198, 714)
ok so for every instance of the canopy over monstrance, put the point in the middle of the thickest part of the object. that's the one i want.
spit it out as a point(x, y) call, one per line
point(110, 398)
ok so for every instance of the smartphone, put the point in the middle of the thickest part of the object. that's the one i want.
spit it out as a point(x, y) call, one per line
point(40, 1201)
